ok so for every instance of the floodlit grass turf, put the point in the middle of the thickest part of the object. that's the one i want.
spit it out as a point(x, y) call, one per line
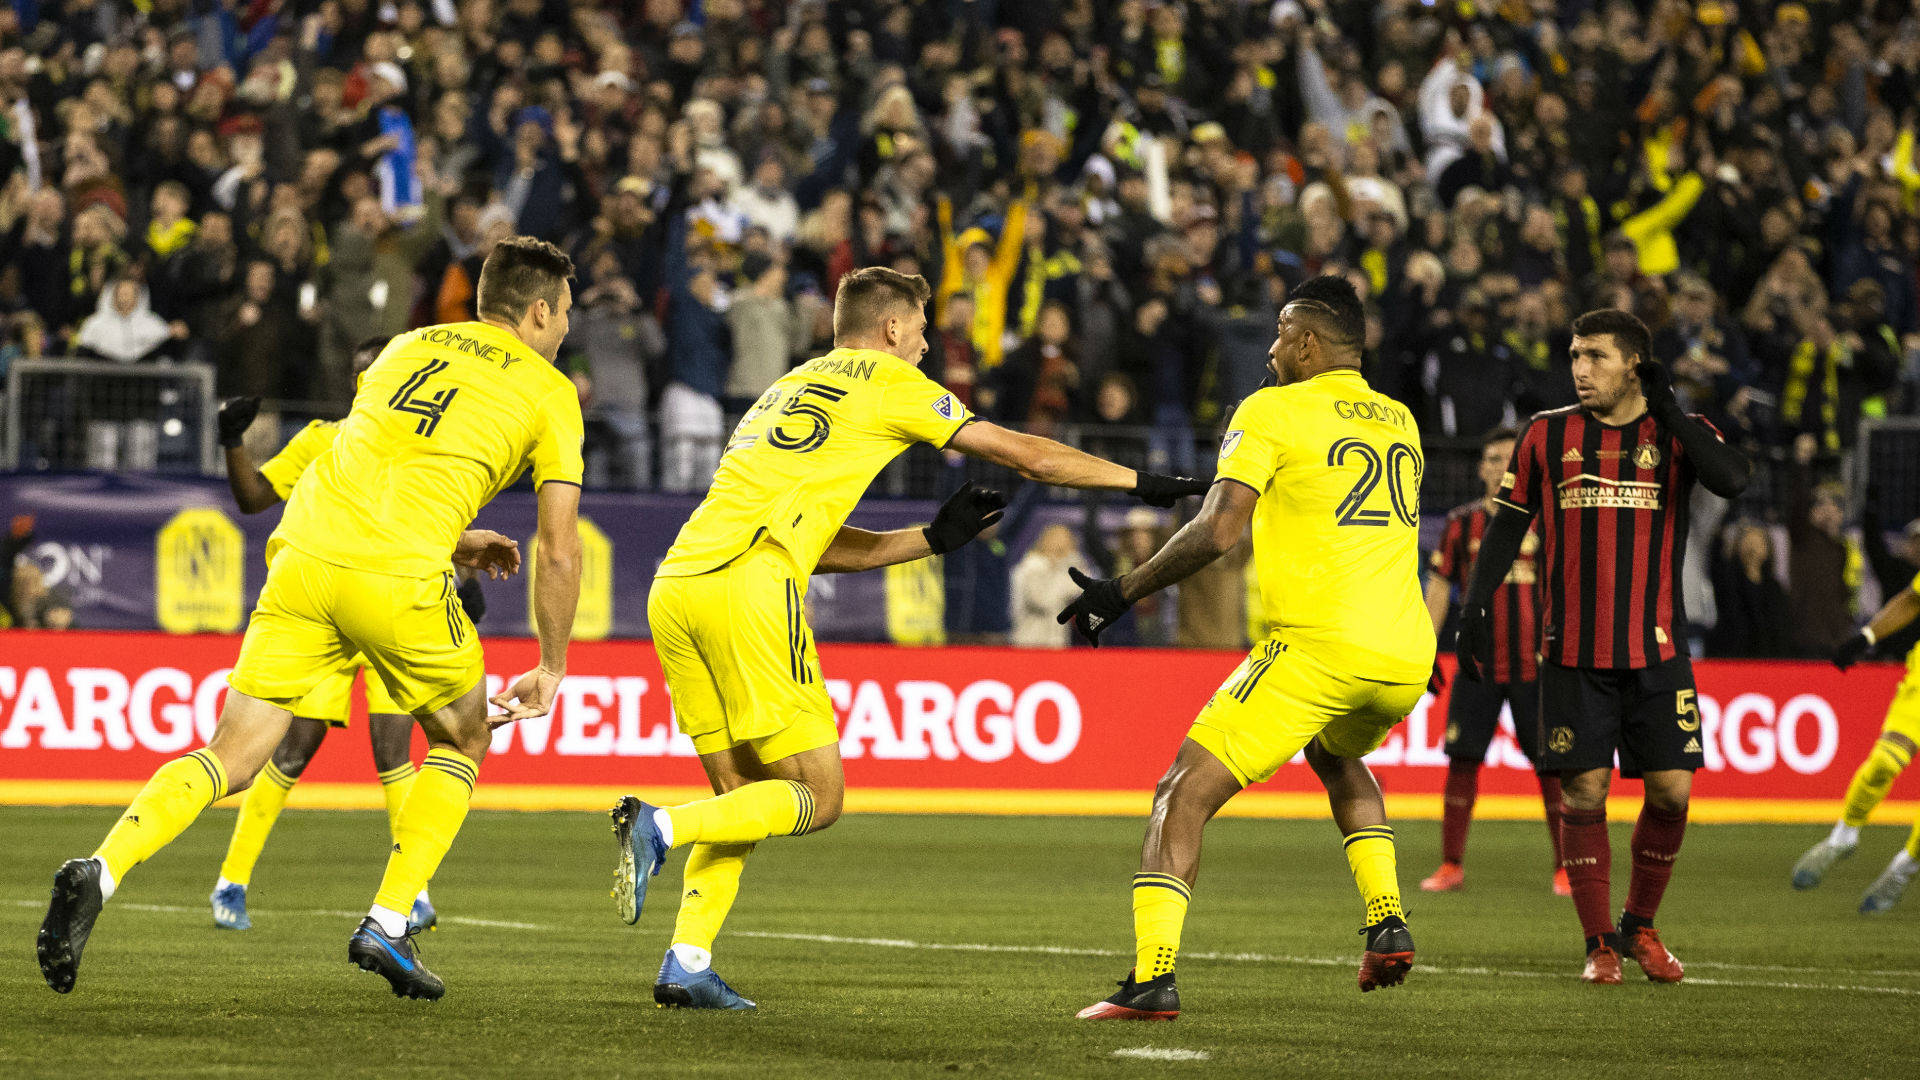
point(163, 993)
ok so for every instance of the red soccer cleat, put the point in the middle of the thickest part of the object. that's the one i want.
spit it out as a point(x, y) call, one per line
point(1647, 950)
point(1389, 954)
point(1451, 877)
point(1155, 999)
point(1603, 967)
point(1561, 886)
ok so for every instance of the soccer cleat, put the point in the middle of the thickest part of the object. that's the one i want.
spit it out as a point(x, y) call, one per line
point(1155, 999)
point(422, 917)
point(1647, 950)
point(1389, 954)
point(1603, 967)
point(641, 854)
point(679, 988)
point(1813, 866)
point(230, 908)
point(370, 949)
point(1561, 886)
point(1885, 891)
point(76, 902)
point(1449, 878)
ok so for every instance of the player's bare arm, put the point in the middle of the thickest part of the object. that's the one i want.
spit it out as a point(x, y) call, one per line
point(250, 488)
point(1048, 462)
point(556, 593)
point(1222, 521)
point(1894, 616)
point(488, 552)
point(966, 513)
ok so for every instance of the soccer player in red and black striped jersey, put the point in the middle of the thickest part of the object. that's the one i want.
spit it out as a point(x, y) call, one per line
point(1473, 709)
point(1610, 480)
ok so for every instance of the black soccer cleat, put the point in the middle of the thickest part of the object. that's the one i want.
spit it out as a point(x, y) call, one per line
point(75, 905)
point(370, 949)
point(1155, 999)
point(1389, 954)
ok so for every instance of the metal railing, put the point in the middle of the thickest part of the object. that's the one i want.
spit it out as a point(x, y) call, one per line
point(64, 415)
point(1886, 460)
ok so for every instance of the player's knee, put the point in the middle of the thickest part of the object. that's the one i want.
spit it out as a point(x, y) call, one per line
point(1585, 791)
point(292, 761)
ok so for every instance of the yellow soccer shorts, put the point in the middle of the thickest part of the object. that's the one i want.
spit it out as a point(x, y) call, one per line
point(1279, 698)
point(332, 698)
point(739, 657)
point(314, 616)
point(1903, 713)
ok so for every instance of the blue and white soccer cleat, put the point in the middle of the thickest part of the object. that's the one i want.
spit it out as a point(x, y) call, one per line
point(1886, 890)
point(1813, 866)
point(678, 988)
point(422, 917)
point(230, 907)
point(642, 851)
point(395, 959)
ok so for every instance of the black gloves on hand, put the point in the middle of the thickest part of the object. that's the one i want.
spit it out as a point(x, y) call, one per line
point(966, 514)
point(1852, 651)
point(1163, 491)
point(473, 599)
point(1100, 603)
point(1657, 385)
point(236, 415)
point(1474, 647)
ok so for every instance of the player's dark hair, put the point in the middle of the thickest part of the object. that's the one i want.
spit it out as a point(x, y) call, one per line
point(1629, 333)
point(1500, 434)
point(519, 271)
point(870, 294)
point(369, 348)
point(1334, 307)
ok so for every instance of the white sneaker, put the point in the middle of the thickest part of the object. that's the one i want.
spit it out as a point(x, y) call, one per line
point(1813, 866)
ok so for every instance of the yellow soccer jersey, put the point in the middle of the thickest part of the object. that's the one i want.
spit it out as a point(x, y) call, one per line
point(283, 469)
point(443, 421)
point(1336, 533)
point(805, 453)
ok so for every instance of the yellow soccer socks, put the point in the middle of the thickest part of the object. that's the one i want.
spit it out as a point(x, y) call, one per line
point(712, 880)
point(395, 783)
point(258, 811)
point(428, 822)
point(169, 802)
point(1370, 855)
point(1159, 911)
point(745, 815)
point(1872, 781)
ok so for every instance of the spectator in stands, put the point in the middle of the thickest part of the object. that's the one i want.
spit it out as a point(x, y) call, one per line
point(1823, 566)
point(1037, 388)
point(621, 345)
point(1754, 611)
point(255, 337)
point(766, 331)
point(1041, 588)
point(124, 328)
point(698, 354)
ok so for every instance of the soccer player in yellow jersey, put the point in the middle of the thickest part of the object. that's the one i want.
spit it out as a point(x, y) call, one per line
point(443, 421)
point(389, 728)
point(1327, 472)
point(1892, 752)
point(728, 606)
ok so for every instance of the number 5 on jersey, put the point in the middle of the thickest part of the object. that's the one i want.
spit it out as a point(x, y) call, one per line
point(798, 405)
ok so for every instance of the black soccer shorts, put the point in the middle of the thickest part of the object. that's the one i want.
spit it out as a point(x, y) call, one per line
point(1473, 716)
point(1650, 715)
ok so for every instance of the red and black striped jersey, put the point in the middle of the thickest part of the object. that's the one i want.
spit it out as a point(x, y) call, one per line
point(1613, 504)
point(1516, 624)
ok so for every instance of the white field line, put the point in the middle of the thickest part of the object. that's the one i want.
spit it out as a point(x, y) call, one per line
point(1066, 950)
point(1154, 1053)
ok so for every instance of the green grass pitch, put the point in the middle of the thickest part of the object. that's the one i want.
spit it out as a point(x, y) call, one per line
point(977, 940)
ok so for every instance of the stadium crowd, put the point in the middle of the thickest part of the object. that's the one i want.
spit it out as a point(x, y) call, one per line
point(1110, 199)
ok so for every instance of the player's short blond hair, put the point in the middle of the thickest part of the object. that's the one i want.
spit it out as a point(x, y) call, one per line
point(870, 295)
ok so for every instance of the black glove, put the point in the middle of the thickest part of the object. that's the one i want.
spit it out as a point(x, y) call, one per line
point(1437, 681)
point(236, 415)
point(1657, 385)
point(1163, 491)
point(1098, 606)
point(1474, 646)
point(966, 514)
point(473, 599)
point(1853, 650)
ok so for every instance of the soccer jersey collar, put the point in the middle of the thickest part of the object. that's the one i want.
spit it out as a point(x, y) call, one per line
point(506, 339)
point(1344, 372)
point(885, 357)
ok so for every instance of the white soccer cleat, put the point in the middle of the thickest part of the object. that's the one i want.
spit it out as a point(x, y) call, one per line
point(1813, 866)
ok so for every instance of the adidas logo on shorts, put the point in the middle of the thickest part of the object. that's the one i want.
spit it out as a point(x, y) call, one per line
point(1693, 746)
